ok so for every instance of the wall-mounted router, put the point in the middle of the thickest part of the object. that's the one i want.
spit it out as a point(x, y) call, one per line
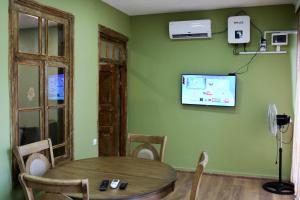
point(238, 29)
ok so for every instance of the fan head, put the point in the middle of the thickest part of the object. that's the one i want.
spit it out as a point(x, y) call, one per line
point(272, 119)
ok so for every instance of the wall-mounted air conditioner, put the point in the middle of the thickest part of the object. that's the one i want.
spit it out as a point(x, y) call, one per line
point(190, 29)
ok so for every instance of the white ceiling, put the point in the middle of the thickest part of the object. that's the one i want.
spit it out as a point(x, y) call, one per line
point(144, 7)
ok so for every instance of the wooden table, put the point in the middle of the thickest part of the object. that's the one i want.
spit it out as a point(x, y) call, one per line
point(146, 179)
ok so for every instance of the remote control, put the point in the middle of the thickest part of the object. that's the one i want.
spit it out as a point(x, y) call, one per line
point(123, 186)
point(104, 185)
point(114, 183)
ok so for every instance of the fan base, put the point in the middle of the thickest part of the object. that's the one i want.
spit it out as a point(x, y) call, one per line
point(279, 188)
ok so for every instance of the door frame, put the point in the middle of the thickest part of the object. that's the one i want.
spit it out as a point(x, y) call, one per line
point(105, 32)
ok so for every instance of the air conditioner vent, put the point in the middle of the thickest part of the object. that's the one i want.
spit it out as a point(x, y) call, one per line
point(197, 35)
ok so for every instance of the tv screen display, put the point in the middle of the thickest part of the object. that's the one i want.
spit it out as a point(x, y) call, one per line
point(56, 89)
point(211, 90)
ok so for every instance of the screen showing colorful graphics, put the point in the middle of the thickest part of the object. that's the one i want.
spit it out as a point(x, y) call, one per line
point(56, 87)
point(212, 90)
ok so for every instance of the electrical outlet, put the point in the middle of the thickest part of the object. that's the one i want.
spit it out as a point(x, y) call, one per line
point(95, 141)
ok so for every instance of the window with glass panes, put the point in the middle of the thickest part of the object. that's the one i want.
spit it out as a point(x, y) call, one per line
point(41, 76)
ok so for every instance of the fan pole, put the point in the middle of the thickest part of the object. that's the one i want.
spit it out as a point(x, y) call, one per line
point(280, 187)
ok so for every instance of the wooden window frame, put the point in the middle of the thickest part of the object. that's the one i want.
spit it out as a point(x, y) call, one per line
point(51, 14)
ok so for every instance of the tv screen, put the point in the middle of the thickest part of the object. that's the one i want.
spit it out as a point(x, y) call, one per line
point(211, 90)
point(56, 89)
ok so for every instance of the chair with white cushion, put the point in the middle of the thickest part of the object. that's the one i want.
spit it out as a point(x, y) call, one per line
point(146, 149)
point(36, 164)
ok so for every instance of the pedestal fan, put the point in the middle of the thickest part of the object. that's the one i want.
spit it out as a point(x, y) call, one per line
point(276, 124)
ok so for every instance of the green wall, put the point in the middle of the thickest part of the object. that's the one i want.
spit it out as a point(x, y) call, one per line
point(236, 139)
point(4, 105)
point(88, 15)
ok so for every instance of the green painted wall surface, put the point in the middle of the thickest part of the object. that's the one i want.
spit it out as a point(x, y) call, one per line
point(237, 139)
point(5, 178)
point(88, 15)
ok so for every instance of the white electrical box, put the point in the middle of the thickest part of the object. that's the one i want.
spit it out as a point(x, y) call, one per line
point(238, 29)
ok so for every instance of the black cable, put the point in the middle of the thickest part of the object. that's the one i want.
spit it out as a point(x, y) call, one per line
point(234, 51)
point(220, 32)
point(258, 29)
point(289, 142)
point(291, 139)
point(286, 129)
point(238, 71)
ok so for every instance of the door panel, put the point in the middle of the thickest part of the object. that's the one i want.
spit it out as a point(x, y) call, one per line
point(108, 111)
point(112, 117)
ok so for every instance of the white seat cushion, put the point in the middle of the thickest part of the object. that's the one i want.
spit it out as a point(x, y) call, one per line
point(145, 154)
point(37, 164)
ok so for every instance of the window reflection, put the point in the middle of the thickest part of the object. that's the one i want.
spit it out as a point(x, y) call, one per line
point(28, 33)
point(56, 39)
point(29, 127)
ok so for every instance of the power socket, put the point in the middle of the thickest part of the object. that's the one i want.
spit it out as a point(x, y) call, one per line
point(94, 142)
point(263, 45)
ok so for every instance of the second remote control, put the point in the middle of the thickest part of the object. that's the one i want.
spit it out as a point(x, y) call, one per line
point(114, 183)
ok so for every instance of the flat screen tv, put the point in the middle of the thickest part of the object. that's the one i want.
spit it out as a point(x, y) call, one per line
point(209, 90)
point(56, 87)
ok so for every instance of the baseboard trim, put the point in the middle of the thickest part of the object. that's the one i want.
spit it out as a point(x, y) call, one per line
point(232, 174)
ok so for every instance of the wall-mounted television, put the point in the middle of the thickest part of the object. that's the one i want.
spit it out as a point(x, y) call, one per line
point(209, 90)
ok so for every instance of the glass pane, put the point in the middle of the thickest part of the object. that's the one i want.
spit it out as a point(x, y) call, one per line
point(29, 127)
point(28, 86)
point(56, 85)
point(56, 125)
point(28, 33)
point(56, 39)
point(117, 53)
point(59, 151)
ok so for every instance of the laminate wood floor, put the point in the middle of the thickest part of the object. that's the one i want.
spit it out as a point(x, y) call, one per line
point(214, 187)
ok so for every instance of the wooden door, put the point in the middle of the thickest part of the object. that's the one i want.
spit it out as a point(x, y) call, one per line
point(109, 111)
point(112, 111)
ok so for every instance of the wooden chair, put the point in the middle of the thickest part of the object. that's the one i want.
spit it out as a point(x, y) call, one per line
point(52, 188)
point(146, 150)
point(203, 159)
point(36, 164)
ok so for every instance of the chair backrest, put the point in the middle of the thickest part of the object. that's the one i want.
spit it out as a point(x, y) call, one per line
point(203, 159)
point(53, 188)
point(146, 150)
point(36, 164)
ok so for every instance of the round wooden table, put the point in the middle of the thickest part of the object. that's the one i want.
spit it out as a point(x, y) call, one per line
point(146, 179)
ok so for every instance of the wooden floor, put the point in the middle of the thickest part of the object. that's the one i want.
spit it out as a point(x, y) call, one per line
point(214, 187)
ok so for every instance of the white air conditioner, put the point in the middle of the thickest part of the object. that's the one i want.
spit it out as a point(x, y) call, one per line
point(190, 29)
